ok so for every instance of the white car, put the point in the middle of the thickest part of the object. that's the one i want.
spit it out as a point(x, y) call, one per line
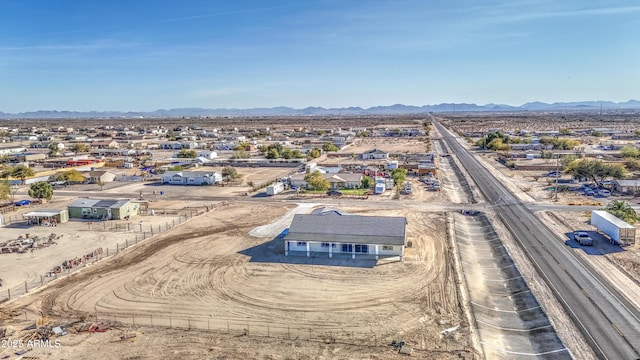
point(582, 238)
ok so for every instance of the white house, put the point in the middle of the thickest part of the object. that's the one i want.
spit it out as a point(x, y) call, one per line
point(375, 154)
point(333, 232)
point(337, 181)
point(191, 177)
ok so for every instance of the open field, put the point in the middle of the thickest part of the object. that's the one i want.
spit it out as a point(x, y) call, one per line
point(212, 267)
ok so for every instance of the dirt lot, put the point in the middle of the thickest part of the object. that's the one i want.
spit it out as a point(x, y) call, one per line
point(391, 145)
point(213, 268)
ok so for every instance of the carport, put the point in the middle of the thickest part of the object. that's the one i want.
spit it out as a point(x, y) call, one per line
point(47, 217)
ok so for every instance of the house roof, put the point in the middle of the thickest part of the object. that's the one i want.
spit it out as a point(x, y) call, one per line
point(628, 182)
point(97, 203)
point(189, 173)
point(334, 226)
point(375, 151)
point(44, 212)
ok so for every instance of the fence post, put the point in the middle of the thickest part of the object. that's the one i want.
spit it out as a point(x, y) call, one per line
point(117, 247)
point(309, 333)
point(25, 287)
point(126, 241)
point(208, 325)
point(107, 251)
point(288, 333)
point(228, 329)
point(9, 294)
point(189, 323)
point(247, 327)
point(41, 282)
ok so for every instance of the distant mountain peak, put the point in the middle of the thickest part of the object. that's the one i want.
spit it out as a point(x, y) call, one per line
point(395, 109)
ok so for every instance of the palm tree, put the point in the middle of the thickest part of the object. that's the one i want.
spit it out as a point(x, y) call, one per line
point(622, 210)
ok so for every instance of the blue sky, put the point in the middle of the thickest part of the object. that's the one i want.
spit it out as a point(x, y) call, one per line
point(147, 55)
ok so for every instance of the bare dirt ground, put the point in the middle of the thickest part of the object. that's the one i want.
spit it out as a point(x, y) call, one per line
point(213, 268)
point(390, 145)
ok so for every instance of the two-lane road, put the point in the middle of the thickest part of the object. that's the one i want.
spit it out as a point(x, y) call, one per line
point(608, 321)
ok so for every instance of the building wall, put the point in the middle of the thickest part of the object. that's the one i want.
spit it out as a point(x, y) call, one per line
point(337, 248)
point(130, 209)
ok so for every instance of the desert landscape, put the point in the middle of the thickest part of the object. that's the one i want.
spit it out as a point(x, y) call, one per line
point(213, 278)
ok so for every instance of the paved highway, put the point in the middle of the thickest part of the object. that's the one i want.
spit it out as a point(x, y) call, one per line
point(608, 321)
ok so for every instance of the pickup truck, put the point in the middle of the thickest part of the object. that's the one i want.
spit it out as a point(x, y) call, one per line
point(582, 238)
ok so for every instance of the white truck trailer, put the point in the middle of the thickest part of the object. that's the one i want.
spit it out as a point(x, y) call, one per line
point(619, 232)
point(275, 188)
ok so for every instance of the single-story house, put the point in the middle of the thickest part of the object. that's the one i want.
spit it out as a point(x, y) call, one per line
point(97, 177)
point(122, 209)
point(330, 231)
point(627, 186)
point(375, 154)
point(337, 181)
point(191, 177)
point(47, 217)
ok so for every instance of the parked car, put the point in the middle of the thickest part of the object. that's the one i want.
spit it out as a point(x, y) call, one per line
point(604, 192)
point(23, 202)
point(582, 238)
point(334, 193)
point(555, 174)
point(590, 193)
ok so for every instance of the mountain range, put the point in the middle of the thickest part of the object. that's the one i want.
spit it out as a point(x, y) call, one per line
point(397, 109)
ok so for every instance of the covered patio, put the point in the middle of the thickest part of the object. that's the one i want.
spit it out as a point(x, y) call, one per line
point(47, 217)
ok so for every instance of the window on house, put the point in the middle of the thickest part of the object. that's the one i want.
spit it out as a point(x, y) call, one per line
point(362, 248)
point(387, 247)
point(302, 243)
point(325, 244)
point(347, 248)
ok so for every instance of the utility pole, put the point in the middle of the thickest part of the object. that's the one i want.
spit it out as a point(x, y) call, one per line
point(557, 174)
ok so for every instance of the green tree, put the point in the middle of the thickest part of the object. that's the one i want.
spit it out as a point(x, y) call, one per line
point(240, 154)
point(187, 154)
point(175, 168)
point(366, 182)
point(296, 154)
point(80, 148)
point(314, 153)
point(5, 190)
point(72, 175)
point(595, 169)
point(6, 172)
point(272, 154)
point(41, 190)
point(22, 172)
point(398, 175)
point(54, 149)
point(622, 210)
point(316, 181)
point(230, 173)
point(286, 154)
point(565, 131)
point(329, 146)
point(629, 152)
point(567, 159)
point(487, 139)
